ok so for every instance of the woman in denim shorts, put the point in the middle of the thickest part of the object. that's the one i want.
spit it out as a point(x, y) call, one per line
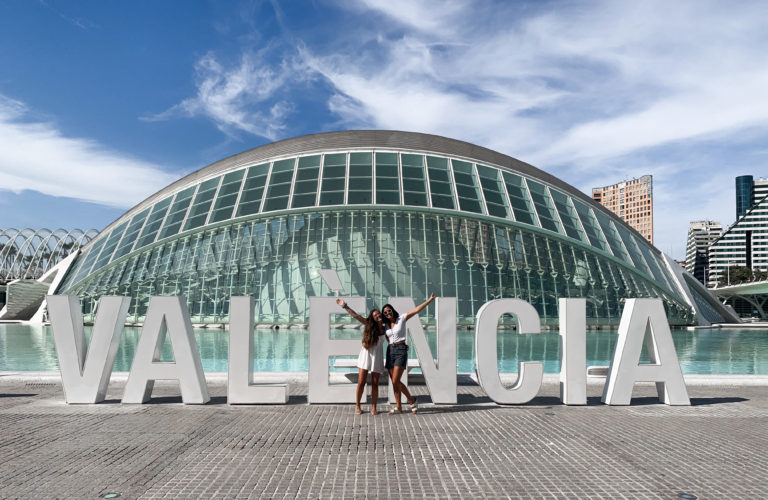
point(397, 351)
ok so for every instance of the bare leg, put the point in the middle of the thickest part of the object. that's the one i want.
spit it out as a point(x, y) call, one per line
point(395, 388)
point(374, 391)
point(399, 387)
point(362, 375)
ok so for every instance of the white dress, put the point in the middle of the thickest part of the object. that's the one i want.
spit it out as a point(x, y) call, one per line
point(372, 359)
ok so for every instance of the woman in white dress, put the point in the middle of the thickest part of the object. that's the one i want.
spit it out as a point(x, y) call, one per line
point(370, 358)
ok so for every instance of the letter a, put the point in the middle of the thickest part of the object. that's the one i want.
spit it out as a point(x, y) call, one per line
point(167, 314)
point(641, 316)
point(85, 369)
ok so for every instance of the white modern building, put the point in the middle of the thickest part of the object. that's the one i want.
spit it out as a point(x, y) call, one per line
point(701, 234)
point(745, 243)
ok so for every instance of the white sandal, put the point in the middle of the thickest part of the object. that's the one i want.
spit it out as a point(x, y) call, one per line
point(414, 406)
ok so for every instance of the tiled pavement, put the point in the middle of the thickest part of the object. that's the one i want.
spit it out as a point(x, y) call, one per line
point(717, 448)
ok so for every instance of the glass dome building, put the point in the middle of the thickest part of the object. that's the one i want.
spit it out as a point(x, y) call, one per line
point(394, 213)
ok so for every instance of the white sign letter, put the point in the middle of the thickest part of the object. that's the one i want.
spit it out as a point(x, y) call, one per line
point(240, 390)
point(167, 314)
point(530, 374)
point(85, 369)
point(321, 348)
point(440, 376)
point(573, 368)
point(643, 316)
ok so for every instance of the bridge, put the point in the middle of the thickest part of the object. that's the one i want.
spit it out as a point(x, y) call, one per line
point(755, 293)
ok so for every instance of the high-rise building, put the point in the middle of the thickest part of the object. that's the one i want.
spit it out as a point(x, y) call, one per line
point(632, 201)
point(701, 234)
point(745, 243)
point(748, 193)
point(744, 184)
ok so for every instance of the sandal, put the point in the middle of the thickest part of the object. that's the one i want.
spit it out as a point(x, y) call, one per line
point(394, 411)
point(414, 406)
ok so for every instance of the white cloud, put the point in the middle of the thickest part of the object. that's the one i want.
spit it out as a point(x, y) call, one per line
point(37, 156)
point(586, 90)
point(235, 97)
point(585, 81)
point(429, 16)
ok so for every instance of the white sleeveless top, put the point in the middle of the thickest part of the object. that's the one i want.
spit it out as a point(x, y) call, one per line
point(397, 332)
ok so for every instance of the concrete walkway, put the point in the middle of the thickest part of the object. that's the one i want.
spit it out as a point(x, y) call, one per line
point(717, 448)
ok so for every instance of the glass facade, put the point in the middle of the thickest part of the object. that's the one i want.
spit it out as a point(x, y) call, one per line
point(392, 222)
point(744, 186)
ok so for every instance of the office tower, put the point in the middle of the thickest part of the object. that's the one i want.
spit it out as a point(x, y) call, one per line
point(745, 243)
point(701, 234)
point(744, 185)
point(632, 201)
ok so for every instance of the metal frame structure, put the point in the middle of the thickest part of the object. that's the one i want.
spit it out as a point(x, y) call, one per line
point(394, 213)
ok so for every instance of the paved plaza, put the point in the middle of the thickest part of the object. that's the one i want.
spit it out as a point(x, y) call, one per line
point(716, 448)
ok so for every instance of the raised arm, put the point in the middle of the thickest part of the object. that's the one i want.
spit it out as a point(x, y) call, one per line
point(418, 308)
point(350, 311)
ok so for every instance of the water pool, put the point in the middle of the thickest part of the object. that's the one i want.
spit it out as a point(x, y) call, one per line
point(703, 351)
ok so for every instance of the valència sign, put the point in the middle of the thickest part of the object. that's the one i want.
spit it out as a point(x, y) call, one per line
point(86, 368)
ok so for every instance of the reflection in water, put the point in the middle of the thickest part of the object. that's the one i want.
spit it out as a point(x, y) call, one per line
point(31, 348)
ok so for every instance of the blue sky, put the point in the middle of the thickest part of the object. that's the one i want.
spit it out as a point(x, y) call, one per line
point(104, 103)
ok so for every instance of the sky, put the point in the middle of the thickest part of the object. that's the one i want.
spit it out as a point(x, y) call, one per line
point(104, 103)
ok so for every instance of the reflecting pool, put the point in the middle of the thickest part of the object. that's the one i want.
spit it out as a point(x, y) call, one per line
point(704, 351)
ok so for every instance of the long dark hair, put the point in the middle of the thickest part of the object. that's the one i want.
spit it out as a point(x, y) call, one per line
point(395, 315)
point(371, 331)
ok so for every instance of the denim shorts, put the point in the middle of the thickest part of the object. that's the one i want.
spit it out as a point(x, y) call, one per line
point(397, 355)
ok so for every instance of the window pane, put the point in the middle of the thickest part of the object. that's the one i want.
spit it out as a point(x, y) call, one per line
point(360, 179)
point(109, 246)
point(334, 173)
point(304, 200)
point(131, 234)
point(614, 241)
point(518, 198)
point(440, 182)
point(387, 179)
point(177, 212)
point(466, 187)
point(279, 185)
point(589, 222)
point(253, 190)
point(493, 191)
point(225, 200)
point(153, 222)
point(544, 206)
point(567, 215)
point(203, 199)
point(414, 180)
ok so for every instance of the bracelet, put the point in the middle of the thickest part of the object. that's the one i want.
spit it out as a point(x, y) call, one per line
point(344, 305)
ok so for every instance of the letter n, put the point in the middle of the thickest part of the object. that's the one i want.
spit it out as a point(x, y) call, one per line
point(440, 374)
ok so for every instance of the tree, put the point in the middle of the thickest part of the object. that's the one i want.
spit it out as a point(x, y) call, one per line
point(735, 275)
